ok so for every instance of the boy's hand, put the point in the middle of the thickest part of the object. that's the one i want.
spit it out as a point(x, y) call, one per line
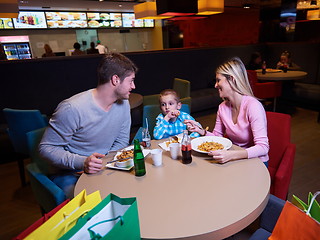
point(172, 114)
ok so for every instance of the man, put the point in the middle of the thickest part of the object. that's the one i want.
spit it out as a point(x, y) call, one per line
point(102, 49)
point(88, 125)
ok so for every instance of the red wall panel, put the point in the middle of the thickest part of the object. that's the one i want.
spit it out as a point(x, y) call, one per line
point(236, 26)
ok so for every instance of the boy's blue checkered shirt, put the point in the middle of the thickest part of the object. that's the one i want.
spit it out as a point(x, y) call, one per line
point(165, 129)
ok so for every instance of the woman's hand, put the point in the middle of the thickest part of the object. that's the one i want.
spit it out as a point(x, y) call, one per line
point(93, 163)
point(223, 156)
point(193, 126)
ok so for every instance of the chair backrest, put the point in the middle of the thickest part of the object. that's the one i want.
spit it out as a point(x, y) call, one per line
point(47, 193)
point(182, 87)
point(19, 123)
point(151, 112)
point(33, 138)
point(253, 79)
point(279, 133)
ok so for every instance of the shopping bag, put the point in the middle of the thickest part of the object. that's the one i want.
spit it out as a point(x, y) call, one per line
point(66, 217)
point(40, 221)
point(295, 224)
point(315, 207)
point(113, 218)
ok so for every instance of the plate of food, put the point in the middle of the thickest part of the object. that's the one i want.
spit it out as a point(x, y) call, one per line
point(210, 143)
point(174, 139)
point(127, 155)
point(270, 70)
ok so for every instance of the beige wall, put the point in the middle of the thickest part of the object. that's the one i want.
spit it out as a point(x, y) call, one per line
point(61, 40)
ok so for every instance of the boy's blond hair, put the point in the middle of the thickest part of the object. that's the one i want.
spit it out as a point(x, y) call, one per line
point(169, 92)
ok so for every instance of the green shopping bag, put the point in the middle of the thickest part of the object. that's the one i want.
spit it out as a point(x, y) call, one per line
point(113, 218)
point(314, 208)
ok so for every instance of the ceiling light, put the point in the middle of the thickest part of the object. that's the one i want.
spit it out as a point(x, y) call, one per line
point(177, 7)
point(9, 9)
point(246, 5)
point(147, 10)
point(209, 7)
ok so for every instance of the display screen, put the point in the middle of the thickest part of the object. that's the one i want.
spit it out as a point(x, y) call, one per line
point(129, 20)
point(148, 22)
point(66, 19)
point(54, 20)
point(6, 23)
point(104, 20)
point(30, 20)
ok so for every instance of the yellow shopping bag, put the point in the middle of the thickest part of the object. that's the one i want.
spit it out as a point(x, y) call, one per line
point(66, 217)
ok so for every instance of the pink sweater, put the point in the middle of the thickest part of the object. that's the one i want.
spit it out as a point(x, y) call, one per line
point(250, 131)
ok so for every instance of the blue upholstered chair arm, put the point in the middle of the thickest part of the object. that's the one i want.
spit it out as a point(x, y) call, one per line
point(138, 135)
point(46, 192)
point(268, 218)
point(271, 213)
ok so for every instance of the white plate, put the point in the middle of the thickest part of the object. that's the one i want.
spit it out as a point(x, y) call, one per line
point(164, 146)
point(113, 165)
point(197, 141)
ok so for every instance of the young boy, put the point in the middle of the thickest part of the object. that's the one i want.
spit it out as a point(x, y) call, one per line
point(171, 121)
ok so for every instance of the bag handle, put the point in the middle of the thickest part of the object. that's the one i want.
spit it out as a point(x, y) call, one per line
point(311, 202)
point(75, 219)
point(93, 235)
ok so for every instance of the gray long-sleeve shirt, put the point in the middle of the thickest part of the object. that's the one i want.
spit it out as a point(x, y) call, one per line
point(79, 127)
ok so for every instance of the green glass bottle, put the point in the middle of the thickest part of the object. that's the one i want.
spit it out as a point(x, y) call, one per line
point(138, 159)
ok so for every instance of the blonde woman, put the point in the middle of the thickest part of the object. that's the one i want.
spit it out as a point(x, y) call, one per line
point(241, 117)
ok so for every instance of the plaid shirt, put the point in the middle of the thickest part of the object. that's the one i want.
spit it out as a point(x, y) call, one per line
point(165, 129)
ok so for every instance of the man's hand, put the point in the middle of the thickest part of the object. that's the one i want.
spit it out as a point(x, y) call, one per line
point(93, 163)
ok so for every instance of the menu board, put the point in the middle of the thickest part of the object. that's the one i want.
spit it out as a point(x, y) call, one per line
point(66, 19)
point(148, 23)
point(30, 20)
point(129, 20)
point(6, 23)
point(54, 20)
point(103, 20)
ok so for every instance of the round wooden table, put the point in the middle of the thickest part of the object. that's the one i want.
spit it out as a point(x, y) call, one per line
point(202, 200)
point(135, 100)
point(281, 76)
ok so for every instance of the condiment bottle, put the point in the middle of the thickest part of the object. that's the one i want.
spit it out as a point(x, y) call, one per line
point(138, 159)
point(186, 148)
point(146, 139)
point(264, 67)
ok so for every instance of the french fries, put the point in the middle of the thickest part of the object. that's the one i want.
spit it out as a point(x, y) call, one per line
point(125, 154)
point(210, 146)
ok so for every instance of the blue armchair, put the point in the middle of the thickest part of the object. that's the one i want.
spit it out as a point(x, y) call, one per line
point(268, 218)
point(19, 123)
point(47, 194)
point(151, 112)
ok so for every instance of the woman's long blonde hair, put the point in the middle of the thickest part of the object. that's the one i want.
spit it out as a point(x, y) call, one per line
point(236, 74)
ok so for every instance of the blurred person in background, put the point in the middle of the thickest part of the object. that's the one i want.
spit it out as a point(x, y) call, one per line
point(101, 48)
point(255, 61)
point(48, 51)
point(92, 49)
point(3, 55)
point(286, 62)
point(77, 50)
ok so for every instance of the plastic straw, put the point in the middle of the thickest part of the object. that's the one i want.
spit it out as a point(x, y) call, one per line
point(147, 123)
